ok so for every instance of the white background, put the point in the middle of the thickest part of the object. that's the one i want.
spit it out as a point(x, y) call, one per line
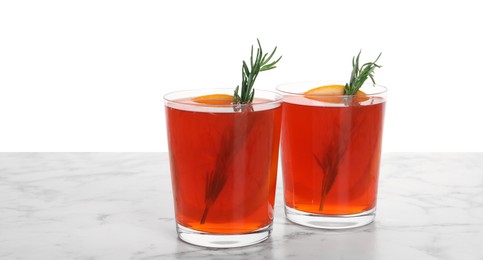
point(90, 75)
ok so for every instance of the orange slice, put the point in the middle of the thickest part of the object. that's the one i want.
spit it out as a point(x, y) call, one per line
point(214, 99)
point(332, 94)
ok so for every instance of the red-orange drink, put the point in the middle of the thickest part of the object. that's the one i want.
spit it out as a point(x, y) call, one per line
point(223, 167)
point(330, 158)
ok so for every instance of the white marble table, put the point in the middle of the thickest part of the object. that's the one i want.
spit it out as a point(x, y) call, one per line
point(119, 206)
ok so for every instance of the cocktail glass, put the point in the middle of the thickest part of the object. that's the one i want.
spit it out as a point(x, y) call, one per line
point(331, 150)
point(223, 162)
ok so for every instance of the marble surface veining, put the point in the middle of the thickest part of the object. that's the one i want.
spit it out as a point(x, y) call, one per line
point(119, 206)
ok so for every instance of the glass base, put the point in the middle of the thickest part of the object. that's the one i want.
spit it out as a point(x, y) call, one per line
point(330, 221)
point(199, 238)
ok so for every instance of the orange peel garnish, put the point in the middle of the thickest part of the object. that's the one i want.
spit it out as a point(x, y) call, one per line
point(214, 99)
point(333, 94)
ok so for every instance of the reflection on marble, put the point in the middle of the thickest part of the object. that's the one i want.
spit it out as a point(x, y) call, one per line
point(119, 206)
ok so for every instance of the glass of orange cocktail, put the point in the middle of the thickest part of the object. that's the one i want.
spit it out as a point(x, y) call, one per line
point(331, 150)
point(223, 147)
point(224, 161)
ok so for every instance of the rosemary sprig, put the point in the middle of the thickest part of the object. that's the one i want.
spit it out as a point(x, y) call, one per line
point(249, 75)
point(230, 146)
point(337, 150)
point(360, 75)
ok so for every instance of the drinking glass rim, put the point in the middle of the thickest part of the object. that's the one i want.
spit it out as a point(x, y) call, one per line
point(324, 82)
point(207, 91)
